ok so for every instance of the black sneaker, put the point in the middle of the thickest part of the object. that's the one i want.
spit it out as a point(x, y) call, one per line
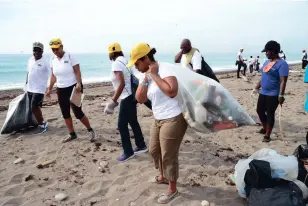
point(41, 128)
point(69, 138)
point(266, 138)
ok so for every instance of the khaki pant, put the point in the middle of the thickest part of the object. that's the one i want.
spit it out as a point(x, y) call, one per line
point(165, 140)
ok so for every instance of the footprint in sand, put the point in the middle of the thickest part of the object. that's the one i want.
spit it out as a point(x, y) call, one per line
point(17, 179)
point(15, 191)
point(15, 201)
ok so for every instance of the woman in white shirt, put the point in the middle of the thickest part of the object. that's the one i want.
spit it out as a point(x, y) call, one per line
point(66, 73)
point(168, 130)
point(121, 81)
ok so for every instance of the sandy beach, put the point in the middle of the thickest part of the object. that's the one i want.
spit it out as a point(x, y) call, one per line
point(206, 160)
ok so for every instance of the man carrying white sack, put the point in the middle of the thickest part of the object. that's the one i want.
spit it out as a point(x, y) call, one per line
point(37, 78)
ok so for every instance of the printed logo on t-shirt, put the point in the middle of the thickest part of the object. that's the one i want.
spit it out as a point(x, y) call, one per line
point(66, 61)
point(39, 65)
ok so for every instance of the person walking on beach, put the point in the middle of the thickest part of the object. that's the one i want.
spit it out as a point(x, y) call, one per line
point(257, 64)
point(304, 59)
point(252, 62)
point(37, 80)
point(240, 62)
point(274, 75)
point(189, 57)
point(161, 87)
point(66, 73)
point(121, 81)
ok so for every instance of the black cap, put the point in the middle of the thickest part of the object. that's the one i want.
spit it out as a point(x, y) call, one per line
point(272, 46)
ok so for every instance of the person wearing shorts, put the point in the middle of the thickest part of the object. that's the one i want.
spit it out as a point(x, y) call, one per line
point(37, 80)
point(66, 73)
point(161, 87)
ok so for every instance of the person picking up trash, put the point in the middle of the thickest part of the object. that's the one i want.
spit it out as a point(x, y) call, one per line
point(37, 80)
point(274, 75)
point(121, 81)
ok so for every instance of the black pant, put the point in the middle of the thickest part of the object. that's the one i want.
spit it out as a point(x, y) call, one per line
point(266, 109)
point(304, 64)
point(64, 95)
point(251, 68)
point(241, 64)
point(128, 115)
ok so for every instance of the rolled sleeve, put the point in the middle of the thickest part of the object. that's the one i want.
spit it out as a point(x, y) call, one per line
point(196, 61)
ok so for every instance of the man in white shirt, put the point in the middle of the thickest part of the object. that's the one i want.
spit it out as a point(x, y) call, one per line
point(304, 59)
point(37, 79)
point(252, 62)
point(240, 62)
point(189, 57)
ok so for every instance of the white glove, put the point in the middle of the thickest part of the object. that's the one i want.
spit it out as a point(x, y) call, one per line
point(110, 106)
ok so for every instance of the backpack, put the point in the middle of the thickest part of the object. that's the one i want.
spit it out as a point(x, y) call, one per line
point(134, 82)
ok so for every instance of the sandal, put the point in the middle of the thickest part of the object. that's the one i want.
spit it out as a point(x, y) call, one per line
point(69, 138)
point(164, 181)
point(166, 198)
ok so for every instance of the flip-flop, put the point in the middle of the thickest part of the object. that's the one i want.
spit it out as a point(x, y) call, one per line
point(166, 198)
point(166, 182)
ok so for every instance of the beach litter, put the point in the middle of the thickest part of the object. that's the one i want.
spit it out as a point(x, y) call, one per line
point(45, 164)
point(19, 160)
point(61, 196)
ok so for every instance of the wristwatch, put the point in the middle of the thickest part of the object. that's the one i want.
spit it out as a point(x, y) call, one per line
point(281, 95)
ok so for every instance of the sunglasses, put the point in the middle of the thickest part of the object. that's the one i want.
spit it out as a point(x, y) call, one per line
point(54, 43)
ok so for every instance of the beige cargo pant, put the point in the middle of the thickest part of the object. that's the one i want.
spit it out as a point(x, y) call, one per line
point(165, 140)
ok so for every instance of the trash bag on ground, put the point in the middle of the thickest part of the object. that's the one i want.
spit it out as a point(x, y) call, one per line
point(206, 104)
point(301, 153)
point(285, 195)
point(19, 115)
point(281, 167)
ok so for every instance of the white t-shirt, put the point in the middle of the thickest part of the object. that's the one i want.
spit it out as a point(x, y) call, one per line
point(119, 65)
point(252, 61)
point(241, 55)
point(163, 107)
point(195, 61)
point(63, 70)
point(38, 74)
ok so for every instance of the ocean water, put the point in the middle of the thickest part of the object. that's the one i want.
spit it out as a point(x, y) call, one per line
point(96, 67)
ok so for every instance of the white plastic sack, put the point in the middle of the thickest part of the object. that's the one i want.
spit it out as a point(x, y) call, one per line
point(19, 115)
point(207, 105)
point(282, 167)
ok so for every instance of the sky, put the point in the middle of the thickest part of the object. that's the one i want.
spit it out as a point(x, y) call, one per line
point(89, 26)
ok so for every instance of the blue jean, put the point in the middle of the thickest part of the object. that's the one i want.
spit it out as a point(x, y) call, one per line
point(128, 115)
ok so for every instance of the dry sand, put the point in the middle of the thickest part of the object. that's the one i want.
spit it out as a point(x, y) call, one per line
point(206, 160)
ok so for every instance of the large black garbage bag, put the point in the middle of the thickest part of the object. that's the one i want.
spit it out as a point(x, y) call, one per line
point(301, 153)
point(284, 195)
point(19, 115)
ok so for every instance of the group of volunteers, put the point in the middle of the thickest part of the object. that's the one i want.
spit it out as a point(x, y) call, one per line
point(158, 85)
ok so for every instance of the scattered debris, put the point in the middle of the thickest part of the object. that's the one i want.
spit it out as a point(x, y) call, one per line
point(93, 203)
point(29, 177)
point(205, 203)
point(19, 160)
point(45, 164)
point(104, 164)
point(61, 196)
point(102, 170)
